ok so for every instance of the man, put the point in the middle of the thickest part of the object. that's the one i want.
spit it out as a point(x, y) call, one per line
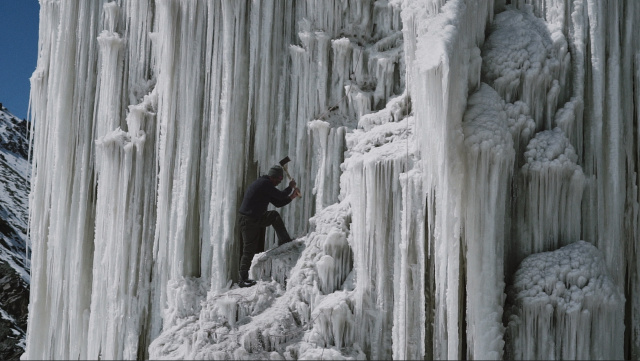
point(254, 217)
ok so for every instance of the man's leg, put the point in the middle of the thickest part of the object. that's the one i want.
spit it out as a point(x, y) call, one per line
point(272, 218)
point(250, 231)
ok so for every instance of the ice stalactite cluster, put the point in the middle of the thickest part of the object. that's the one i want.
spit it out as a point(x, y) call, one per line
point(566, 307)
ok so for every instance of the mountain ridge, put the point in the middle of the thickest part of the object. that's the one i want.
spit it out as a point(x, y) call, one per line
point(14, 264)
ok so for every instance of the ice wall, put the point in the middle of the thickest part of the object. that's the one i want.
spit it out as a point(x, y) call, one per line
point(535, 58)
point(598, 117)
point(427, 155)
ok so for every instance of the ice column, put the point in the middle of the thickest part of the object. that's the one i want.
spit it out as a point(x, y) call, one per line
point(229, 126)
point(409, 278)
point(565, 306)
point(62, 204)
point(329, 147)
point(110, 79)
point(439, 46)
point(376, 160)
point(550, 187)
point(125, 222)
point(179, 127)
point(271, 33)
point(137, 18)
point(489, 166)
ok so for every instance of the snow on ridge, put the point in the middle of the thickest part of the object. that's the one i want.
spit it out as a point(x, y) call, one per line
point(14, 191)
point(14, 135)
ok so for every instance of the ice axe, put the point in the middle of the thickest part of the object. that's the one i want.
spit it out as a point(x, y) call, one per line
point(283, 164)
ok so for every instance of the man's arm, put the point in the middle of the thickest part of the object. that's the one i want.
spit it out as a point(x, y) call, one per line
point(279, 198)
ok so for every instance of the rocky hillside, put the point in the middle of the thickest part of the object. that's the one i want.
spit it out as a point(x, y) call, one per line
point(15, 171)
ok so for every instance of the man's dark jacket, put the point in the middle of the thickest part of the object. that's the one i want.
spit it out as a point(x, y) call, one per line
point(259, 194)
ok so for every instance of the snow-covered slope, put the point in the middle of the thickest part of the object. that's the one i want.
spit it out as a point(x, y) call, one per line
point(15, 172)
point(438, 145)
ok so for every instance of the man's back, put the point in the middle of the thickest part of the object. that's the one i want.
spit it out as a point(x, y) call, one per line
point(259, 194)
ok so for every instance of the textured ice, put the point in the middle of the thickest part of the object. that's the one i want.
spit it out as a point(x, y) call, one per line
point(524, 60)
point(565, 305)
point(550, 190)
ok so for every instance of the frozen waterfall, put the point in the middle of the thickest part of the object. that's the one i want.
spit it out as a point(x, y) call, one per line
point(469, 174)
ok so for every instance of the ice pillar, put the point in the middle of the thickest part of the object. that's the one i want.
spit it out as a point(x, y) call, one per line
point(489, 163)
point(438, 87)
point(62, 200)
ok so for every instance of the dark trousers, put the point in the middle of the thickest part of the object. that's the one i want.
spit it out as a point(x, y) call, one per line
point(253, 231)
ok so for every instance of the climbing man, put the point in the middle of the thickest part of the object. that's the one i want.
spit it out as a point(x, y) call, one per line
point(254, 217)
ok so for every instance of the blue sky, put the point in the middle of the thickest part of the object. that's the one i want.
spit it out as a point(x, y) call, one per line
point(19, 20)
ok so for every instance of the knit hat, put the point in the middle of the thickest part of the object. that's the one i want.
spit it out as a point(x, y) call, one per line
point(276, 171)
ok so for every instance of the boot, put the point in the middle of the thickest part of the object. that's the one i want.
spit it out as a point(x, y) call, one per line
point(246, 283)
point(244, 280)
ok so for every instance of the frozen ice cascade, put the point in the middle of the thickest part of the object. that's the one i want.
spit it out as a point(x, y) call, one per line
point(469, 173)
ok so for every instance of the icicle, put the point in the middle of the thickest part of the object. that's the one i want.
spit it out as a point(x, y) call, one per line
point(108, 112)
point(409, 318)
point(340, 72)
point(320, 132)
point(334, 324)
point(522, 128)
